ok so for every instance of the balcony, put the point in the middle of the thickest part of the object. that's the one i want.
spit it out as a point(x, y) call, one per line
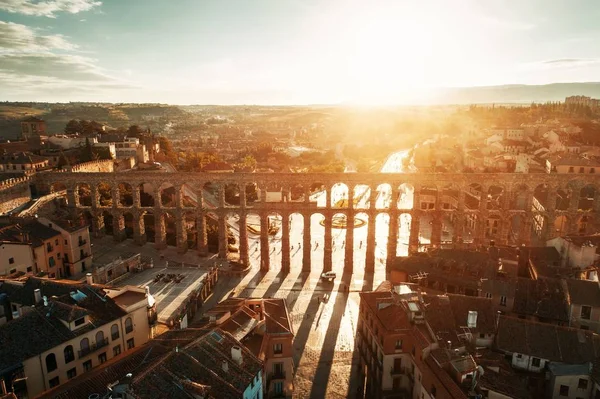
point(82, 242)
point(93, 348)
point(275, 376)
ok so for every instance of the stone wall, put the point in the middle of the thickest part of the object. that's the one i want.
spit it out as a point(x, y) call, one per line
point(14, 193)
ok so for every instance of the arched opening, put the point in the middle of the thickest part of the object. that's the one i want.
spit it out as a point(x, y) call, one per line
point(540, 198)
point(212, 232)
point(104, 195)
point(128, 325)
point(382, 226)
point(473, 195)
point(128, 219)
point(191, 230)
point(167, 195)
point(339, 228)
point(516, 227)
point(404, 221)
point(272, 192)
point(51, 362)
point(99, 338)
point(384, 196)
point(233, 237)
point(449, 197)
point(274, 223)
point(519, 200)
point(232, 194)
point(317, 234)
point(189, 198)
point(149, 226)
point(425, 230)
point(251, 193)
point(253, 228)
point(339, 195)
point(296, 240)
point(107, 222)
point(539, 228)
point(406, 196)
point(563, 198)
point(362, 193)
point(318, 194)
point(447, 234)
point(114, 332)
point(125, 194)
point(428, 198)
point(84, 345)
point(586, 197)
point(471, 221)
point(495, 197)
point(297, 192)
point(170, 228)
point(69, 354)
point(360, 241)
point(146, 195)
point(84, 193)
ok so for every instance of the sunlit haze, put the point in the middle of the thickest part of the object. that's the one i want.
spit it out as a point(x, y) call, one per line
point(288, 52)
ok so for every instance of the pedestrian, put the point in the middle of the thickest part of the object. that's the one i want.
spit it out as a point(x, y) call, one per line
point(360, 245)
point(292, 247)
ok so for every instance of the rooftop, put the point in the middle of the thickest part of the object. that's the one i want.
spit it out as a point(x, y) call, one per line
point(546, 341)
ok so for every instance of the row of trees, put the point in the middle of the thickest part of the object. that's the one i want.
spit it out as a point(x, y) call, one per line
point(90, 128)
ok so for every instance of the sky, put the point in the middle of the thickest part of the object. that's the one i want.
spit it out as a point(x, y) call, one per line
point(288, 51)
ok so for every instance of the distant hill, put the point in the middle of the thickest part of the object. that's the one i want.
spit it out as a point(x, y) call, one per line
point(516, 93)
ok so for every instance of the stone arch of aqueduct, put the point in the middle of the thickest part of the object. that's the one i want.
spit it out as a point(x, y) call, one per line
point(562, 204)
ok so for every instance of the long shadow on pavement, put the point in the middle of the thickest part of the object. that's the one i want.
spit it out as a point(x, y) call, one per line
point(323, 369)
point(293, 294)
point(304, 330)
point(275, 285)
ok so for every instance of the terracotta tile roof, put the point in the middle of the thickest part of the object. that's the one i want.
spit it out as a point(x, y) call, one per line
point(462, 304)
point(41, 328)
point(546, 341)
point(448, 384)
point(276, 316)
point(545, 298)
point(393, 318)
point(584, 292)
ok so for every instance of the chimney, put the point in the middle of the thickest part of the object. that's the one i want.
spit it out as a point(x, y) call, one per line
point(45, 298)
point(225, 366)
point(236, 354)
point(89, 279)
point(37, 295)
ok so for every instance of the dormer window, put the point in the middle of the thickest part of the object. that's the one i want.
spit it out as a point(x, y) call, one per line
point(79, 322)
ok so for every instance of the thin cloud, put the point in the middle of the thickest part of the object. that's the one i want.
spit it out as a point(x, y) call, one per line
point(48, 8)
point(571, 61)
point(19, 38)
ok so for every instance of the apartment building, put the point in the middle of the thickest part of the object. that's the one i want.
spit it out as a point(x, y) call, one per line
point(77, 249)
point(61, 329)
point(15, 257)
point(415, 345)
point(263, 326)
point(22, 162)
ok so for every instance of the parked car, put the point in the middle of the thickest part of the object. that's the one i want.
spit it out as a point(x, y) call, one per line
point(330, 276)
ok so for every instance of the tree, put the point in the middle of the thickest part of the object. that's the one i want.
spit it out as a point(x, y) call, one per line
point(73, 127)
point(87, 153)
point(134, 131)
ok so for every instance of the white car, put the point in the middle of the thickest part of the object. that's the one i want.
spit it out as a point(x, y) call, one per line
point(328, 276)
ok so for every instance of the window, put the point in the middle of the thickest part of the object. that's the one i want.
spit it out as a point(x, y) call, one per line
point(423, 205)
point(84, 345)
point(535, 362)
point(72, 373)
point(29, 269)
point(433, 390)
point(278, 387)
point(586, 312)
point(519, 356)
point(583, 383)
point(117, 350)
point(69, 354)
point(114, 332)
point(102, 357)
point(50, 362)
point(581, 169)
point(592, 170)
point(277, 349)
point(12, 271)
point(564, 390)
point(130, 344)
point(99, 338)
point(79, 322)
point(11, 261)
point(481, 336)
point(488, 294)
point(502, 300)
point(87, 365)
point(56, 242)
point(54, 382)
point(398, 344)
point(571, 169)
point(128, 325)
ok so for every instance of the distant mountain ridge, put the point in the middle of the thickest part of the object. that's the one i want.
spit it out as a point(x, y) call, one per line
point(515, 93)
